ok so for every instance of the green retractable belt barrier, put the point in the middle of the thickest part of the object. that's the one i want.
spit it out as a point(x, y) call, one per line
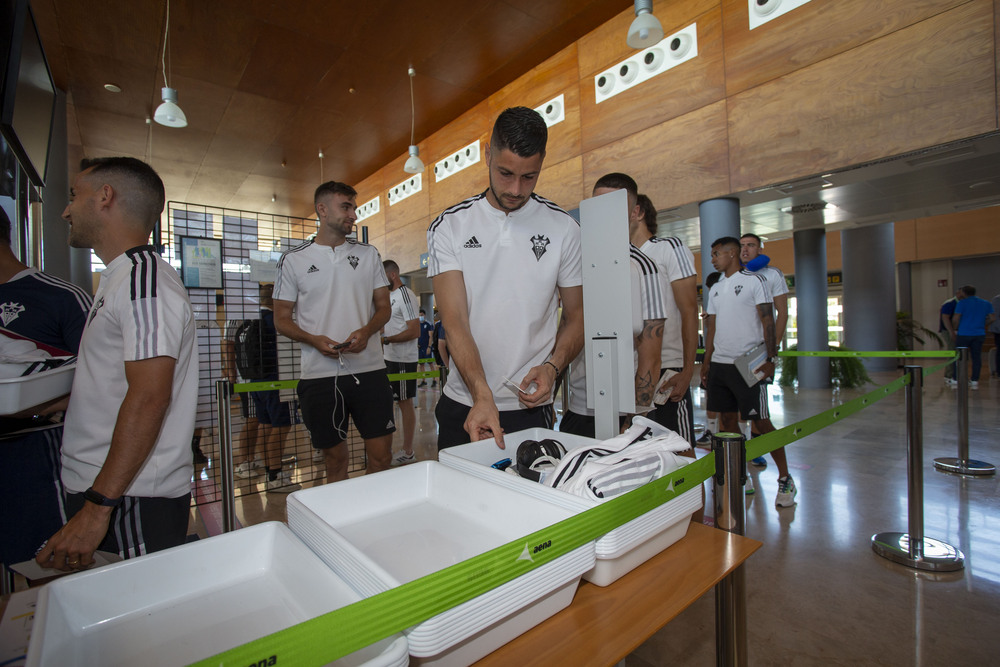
point(326, 638)
point(331, 636)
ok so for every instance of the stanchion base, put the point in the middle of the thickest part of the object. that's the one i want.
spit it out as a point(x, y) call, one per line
point(965, 467)
point(938, 556)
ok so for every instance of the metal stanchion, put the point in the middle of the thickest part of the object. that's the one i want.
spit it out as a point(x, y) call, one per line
point(730, 516)
point(913, 549)
point(963, 465)
point(223, 397)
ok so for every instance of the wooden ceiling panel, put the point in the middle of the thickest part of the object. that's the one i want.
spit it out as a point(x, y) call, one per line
point(203, 102)
point(101, 130)
point(300, 165)
point(231, 152)
point(186, 145)
point(253, 116)
point(123, 30)
point(286, 66)
point(330, 21)
point(72, 126)
point(312, 128)
point(90, 71)
point(212, 41)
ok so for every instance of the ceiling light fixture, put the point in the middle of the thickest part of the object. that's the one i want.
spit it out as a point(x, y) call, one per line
point(321, 166)
point(413, 163)
point(168, 113)
point(112, 88)
point(645, 30)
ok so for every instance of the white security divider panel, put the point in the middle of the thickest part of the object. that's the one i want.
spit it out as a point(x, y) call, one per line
point(553, 111)
point(368, 209)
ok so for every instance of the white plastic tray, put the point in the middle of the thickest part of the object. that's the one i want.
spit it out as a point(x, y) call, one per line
point(184, 604)
point(379, 531)
point(620, 550)
point(21, 393)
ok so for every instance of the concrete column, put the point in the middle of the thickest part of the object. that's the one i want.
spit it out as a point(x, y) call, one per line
point(811, 298)
point(869, 260)
point(719, 217)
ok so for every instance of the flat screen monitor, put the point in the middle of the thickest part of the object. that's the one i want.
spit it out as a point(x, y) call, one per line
point(29, 94)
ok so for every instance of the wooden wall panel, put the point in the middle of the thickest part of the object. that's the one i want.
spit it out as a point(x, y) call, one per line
point(414, 207)
point(676, 162)
point(809, 34)
point(905, 235)
point(558, 74)
point(606, 44)
point(368, 189)
point(958, 235)
point(928, 84)
point(562, 183)
point(473, 124)
point(405, 244)
point(688, 86)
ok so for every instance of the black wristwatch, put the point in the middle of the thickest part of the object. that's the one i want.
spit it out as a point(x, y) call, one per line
point(99, 499)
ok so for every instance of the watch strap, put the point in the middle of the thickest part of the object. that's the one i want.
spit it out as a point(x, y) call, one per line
point(100, 499)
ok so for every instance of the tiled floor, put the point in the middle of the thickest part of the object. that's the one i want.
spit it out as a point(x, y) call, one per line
point(817, 594)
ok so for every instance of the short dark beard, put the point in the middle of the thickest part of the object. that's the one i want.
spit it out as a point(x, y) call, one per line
point(500, 201)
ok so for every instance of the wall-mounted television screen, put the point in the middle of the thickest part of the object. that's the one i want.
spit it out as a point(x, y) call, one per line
point(28, 96)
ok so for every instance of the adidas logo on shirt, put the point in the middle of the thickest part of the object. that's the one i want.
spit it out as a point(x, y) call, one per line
point(312, 269)
point(473, 242)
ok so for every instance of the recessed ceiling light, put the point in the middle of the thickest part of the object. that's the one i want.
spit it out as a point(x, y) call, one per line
point(112, 88)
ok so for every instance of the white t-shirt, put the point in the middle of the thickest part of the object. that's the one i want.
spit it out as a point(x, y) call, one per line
point(647, 304)
point(734, 303)
point(513, 265)
point(141, 311)
point(332, 289)
point(404, 308)
point(675, 262)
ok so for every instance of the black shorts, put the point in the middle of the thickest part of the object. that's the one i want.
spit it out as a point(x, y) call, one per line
point(270, 410)
point(141, 525)
point(679, 416)
point(728, 392)
point(583, 425)
point(402, 390)
point(451, 421)
point(246, 406)
point(326, 404)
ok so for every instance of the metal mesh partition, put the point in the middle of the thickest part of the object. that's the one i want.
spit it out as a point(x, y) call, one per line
point(251, 243)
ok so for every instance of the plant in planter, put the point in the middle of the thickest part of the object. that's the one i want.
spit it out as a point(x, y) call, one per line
point(908, 330)
point(845, 372)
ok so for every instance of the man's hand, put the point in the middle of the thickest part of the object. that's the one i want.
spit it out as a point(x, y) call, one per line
point(544, 378)
point(358, 340)
point(73, 546)
point(679, 383)
point(484, 422)
point(767, 368)
point(325, 345)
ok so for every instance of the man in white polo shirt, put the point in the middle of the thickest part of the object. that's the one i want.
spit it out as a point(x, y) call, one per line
point(339, 293)
point(126, 457)
point(399, 345)
point(741, 317)
point(501, 263)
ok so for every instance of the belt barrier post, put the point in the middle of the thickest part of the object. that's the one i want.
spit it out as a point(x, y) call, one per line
point(730, 516)
point(963, 465)
point(223, 397)
point(913, 549)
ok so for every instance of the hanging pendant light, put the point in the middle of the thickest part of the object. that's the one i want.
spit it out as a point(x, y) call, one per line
point(413, 165)
point(645, 30)
point(168, 113)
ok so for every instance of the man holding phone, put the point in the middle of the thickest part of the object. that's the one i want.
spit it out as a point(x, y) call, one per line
point(339, 293)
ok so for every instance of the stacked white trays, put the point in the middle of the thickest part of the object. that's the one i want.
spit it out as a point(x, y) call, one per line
point(21, 393)
point(619, 551)
point(181, 605)
point(380, 531)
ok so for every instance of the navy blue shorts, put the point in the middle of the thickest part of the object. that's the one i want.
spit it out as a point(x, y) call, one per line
point(270, 410)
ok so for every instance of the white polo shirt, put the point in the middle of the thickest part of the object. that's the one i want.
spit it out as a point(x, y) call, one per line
point(332, 289)
point(513, 265)
point(675, 262)
point(404, 308)
point(141, 311)
point(734, 303)
point(647, 304)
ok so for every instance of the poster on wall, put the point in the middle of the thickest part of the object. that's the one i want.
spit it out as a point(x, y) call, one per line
point(201, 262)
point(264, 265)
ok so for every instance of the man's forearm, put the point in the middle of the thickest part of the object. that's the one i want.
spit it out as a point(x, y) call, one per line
point(767, 321)
point(648, 346)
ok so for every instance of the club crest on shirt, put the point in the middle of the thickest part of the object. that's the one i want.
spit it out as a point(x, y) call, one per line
point(738, 289)
point(538, 245)
point(353, 260)
point(9, 312)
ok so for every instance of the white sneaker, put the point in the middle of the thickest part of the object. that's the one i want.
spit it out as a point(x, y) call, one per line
point(403, 458)
point(950, 382)
point(974, 384)
point(786, 492)
point(283, 483)
point(245, 470)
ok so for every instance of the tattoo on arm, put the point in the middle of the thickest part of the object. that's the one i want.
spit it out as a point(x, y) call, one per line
point(766, 313)
point(651, 328)
point(644, 389)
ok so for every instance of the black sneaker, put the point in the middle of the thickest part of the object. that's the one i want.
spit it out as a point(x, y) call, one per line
point(705, 440)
